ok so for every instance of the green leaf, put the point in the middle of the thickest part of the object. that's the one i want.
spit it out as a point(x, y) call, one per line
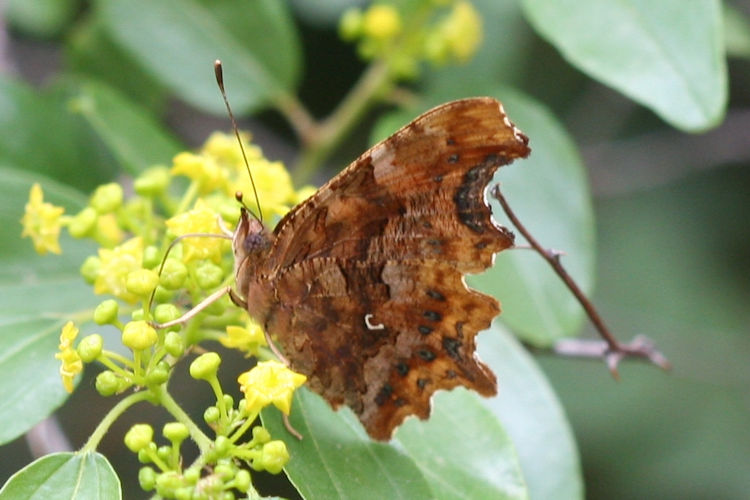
point(87, 476)
point(462, 450)
point(532, 416)
point(336, 458)
point(177, 42)
point(39, 133)
point(130, 132)
point(667, 55)
point(37, 295)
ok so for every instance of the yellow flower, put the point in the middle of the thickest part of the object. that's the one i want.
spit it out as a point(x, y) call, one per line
point(201, 219)
point(202, 169)
point(304, 193)
point(458, 36)
point(225, 149)
point(41, 222)
point(270, 382)
point(244, 339)
point(71, 361)
point(116, 264)
point(381, 22)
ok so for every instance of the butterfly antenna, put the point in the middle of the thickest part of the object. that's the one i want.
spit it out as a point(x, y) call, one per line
point(220, 81)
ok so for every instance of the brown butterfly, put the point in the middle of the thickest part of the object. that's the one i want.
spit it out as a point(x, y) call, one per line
point(363, 284)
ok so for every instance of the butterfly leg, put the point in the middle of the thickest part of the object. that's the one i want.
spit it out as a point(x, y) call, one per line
point(196, 309)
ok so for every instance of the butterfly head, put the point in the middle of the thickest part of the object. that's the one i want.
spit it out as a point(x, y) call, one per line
point(251, 240)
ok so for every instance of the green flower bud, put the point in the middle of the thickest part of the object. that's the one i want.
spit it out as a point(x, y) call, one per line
point(139, 335)
point(151, 257)
point(174, 344)
point(147, 478)
point(209, 276)
point(141, 282)
point(152, 181)
point(261, 435)
point(162, 295)
point(228, 401)
point(211, 415)
point(242, 480)
point(222, 445)
point(274, 456)
point(173, 275)
point(167, 483)
point(90, 347)
point(163, 452)
point(192, 474)
point(138, 314)
point(225, 471)
point(83, 223)
point(107, 198)
point(188, 493)
point(138, 437)
point(107, 383)
point(166, 312)
point(205, 366)
point(90, 269)
point(106, 312)
point(176, 432)
point(158, 375)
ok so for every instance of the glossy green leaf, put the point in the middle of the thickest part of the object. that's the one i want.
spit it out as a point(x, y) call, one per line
point(667, 55)
point(463, 450)
point(336, 458)
point(531, 414)
point(63, 476)
point(177, 42)
point(39, 133)
point(37, 295)
point(130, 132)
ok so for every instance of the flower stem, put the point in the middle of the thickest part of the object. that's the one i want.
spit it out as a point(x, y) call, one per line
point(174, 409)
point(110, 418)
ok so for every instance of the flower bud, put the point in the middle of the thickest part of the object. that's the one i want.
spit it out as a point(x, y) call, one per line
point(209, 275)
point(90, 269)
point(261, 435)
point(151, 257)
point(173, 274)
point(205, 366)
point(174, 344)
point(83, 223)
point(141, 282)
point(138, 437)
point(158, 375)
point(166, 312)
point(106, 312)
point(138, 335)
point(147, 478)
point(176, 432)
point(90, 347)
point(107, 383)
point(107, 198)
point(152, 181)
point(274, 456)
point(211, 415)
point(242, 480)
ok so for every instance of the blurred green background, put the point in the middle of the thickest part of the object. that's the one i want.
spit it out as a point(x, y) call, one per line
point(671, 207)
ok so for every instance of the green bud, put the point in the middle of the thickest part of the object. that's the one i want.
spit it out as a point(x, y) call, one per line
point(138, 314)
point(163, 452)
point(211, 415)
point(158, 375)
point(205, 366)
point(222, 444)
point(106, 312)
point(166, 312)
point(141, 282)
point(228, 401)
point(167, 483)
point(139, 335)
point(151, 257)
point(162, 295)
point(175, 431)
point(224, 471)
point(107, 198)
point(90, 347)
point(174, 344)
point(138, 437)
point(274, 456)
point(144, 454)
point(261, 435)
point(107, 383)
point(242, 480)
point(173, 274)
point(209, 276)
point(90, 269)
point(147, 478)
point(83, 223)
point(187, 493)
point(192, 474)
point(152, 181)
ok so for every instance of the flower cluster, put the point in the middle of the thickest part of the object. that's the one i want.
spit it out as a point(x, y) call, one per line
point(160, 252)
point(440, 32)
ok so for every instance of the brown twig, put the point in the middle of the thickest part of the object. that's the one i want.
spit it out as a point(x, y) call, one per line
point(614, 351)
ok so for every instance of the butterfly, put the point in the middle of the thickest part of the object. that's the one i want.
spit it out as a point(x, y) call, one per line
point(362, 285)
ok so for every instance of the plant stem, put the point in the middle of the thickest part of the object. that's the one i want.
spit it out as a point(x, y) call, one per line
point(615, 351)
point(110, 418)
point(174, 409)
point(319, 140)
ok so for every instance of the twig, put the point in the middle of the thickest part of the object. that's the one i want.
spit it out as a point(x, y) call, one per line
point(614, 351)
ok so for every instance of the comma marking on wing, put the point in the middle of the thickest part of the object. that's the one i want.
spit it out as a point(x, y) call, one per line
point(363, 283)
